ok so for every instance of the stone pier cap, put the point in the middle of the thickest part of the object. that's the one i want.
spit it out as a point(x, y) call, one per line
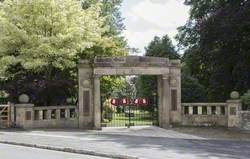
point(131, 61)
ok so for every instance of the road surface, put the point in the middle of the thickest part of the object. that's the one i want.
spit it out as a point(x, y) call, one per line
point(20, 152)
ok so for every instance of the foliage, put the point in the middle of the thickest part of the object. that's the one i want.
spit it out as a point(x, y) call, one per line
point(162, 47)
point(158, 47)
point(246, 101)
point(107, 110)
point(113, 28)
point(112, 85)
point(216, 39)
point(192, 91)
point(42, 35)
point(41, 42)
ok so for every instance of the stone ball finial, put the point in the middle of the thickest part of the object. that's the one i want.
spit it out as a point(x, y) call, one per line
point(23, 98)
point(235, 95)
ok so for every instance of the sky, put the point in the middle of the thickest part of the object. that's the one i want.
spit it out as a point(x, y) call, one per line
point(145, 19)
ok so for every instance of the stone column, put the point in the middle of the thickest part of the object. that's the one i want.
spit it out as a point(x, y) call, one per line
point(12, 114)
point(86, 99)
point(166, 102)
point(233, 106)
point(209, 110)
point(49, 114)
point(97, 103)
point(190, 110)
point(199, 110)
point(24, 115)
point(159, 89)
point(58, 114)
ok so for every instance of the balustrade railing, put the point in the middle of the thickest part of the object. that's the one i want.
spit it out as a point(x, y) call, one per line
point(55, 112)
point(204, 109)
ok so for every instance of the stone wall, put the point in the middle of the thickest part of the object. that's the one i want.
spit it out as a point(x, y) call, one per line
point(204, 114)
point(244, 120)
point(28, 116)
point(212, 114)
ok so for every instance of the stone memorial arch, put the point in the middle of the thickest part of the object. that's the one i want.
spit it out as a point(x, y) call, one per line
point(169, 86)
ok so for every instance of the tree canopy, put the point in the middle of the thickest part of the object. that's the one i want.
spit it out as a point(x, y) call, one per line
point(158, 47)
point(42, 41)
point(216, 40)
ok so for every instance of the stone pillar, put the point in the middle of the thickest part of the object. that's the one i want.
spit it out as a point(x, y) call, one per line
point(159, 89)
point(24, 115)
point(58, 114)
point(166, 102)
point(67, 113)
point(97, 103)
point(175, 91)
point(86, 99)
point(12, 114)
point(49, 114)
point(233, 106)
point(209, 110)
point(190, 110)
point(218, 110)
point(199, 110)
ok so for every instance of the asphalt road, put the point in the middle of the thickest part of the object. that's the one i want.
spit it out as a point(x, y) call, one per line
point(143, 142)
point(20, 152)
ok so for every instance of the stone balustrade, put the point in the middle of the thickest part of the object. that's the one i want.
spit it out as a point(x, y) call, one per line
point(55, 112)
point(204, 108)
point(29, 116)
point(204, 114)
point(244, 120)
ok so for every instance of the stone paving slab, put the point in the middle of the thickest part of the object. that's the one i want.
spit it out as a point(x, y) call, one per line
point(145, 143)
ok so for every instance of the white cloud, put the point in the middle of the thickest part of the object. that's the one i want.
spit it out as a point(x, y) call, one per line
point(148, 18)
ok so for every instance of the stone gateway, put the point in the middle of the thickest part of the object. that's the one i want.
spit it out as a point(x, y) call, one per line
point(167, 71)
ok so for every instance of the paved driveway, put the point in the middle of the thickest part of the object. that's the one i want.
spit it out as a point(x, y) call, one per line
point(144, 142)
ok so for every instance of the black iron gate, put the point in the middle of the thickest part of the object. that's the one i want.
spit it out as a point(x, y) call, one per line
point(130, 114)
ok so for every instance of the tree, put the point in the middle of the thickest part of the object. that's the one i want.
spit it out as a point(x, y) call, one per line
point(41, 42)
point(110, 9)
point(158, 47)
point(113, 24)
point(43, 35)
point(246, 100)
point(216, 39)
point(191, 90)
point(162, 47)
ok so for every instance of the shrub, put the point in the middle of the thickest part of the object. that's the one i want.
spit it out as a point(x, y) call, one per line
point(107, 111)
point(246, 101)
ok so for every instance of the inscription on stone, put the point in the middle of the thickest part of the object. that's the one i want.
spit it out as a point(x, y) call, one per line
point(86, 103)
point(28, 115)
point(174, 99)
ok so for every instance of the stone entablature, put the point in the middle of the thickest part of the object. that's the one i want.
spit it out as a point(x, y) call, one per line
point(132, 61)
